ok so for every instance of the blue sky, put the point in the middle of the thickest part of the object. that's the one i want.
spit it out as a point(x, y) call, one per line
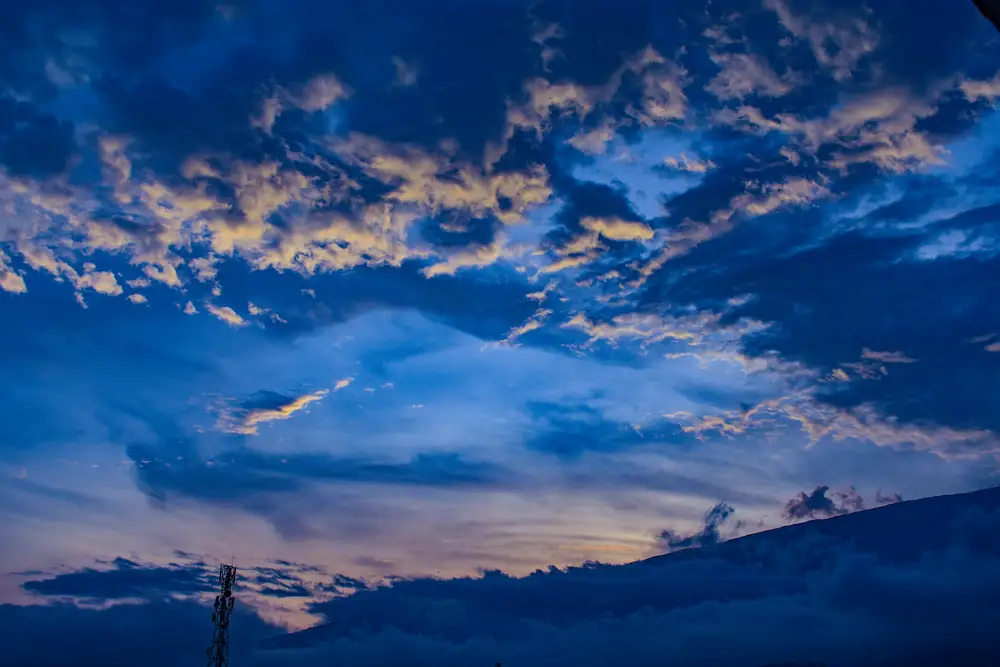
point(398, 290)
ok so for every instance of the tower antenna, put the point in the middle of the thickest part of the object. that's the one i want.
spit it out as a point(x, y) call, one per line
point(218, 652)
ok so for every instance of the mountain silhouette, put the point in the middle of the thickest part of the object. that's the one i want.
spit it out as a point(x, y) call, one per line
point(924, 566)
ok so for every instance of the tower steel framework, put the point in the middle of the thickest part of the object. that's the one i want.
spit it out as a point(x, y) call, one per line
point(218, 652)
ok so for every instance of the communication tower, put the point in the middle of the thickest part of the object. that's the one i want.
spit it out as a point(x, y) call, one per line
point(218, 652)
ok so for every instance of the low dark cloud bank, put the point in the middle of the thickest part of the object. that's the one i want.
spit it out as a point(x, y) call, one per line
point(912, 584)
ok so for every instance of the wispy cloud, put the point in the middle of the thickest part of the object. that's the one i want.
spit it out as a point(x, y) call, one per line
point(246, 418)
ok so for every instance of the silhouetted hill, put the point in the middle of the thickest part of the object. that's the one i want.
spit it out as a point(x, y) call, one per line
point(898, 583)
point(897, 533)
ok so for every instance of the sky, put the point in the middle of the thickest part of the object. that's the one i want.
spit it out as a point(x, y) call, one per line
point(397, 290)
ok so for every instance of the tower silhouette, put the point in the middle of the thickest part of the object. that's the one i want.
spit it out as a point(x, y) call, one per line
point(218, 651)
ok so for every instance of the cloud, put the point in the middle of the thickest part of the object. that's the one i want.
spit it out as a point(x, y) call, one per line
point(795, 204)
point(660, 100)
point(139, 630)
point(988, 89)
point(887, 357)
point(126, 579)
point(887, 498)
point(838, 45)
point(226, 314)
point(588, 245)
point(10, 281)
point(406, 74)
point(708, 535)
point(815, 505)
point(249, 415)
point(33, 143)
point(433, 181)
point(689, 327)
point(744, 74)
point(533, 323)
point(188, 577)
point(754, 201)
point(880, 128)
point(317, 94)
point(280, 487)
point(872, 366)
point(685, 163)
point(793, 300)
point(572, 431)
point(819, 420)
point(343, 383)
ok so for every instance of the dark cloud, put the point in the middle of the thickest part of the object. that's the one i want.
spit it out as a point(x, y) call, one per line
point(570, 431)
point(882, 298)
point(904, 585)
point(282, 582)
point(243, 472)
point(158, 634)
point(294, 591)
point(908, 207)
point(709, 534)
point(127, 579)
point(122, 579)
point(46, 41)
point(345, 585)
point(470, 59)
point(281, 488)
point(33, 143)
point(817, 505)
point(887, 498)
point(456, 230)
point(483, 306)
point(965, 39)
point(185, 78)
point(173, 123)
point(814, 505)
point(342, 581)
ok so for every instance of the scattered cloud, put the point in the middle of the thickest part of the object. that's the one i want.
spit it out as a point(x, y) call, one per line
point(707, 536)
point(744, 74)
point(406, 74)
point(837, 45)
point(588, 249)
point(887, 357)
point(817, 505)
point(226, 314)
point(685, 163)
point(988, 89)
point(249, 415)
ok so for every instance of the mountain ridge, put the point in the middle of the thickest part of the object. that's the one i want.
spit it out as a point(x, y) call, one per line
point(823, 557)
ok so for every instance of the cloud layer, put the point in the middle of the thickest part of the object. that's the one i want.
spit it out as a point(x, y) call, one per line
point(855, 588)
point(392, 290)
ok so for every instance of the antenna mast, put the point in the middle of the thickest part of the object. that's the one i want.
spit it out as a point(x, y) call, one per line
point(218, 652)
